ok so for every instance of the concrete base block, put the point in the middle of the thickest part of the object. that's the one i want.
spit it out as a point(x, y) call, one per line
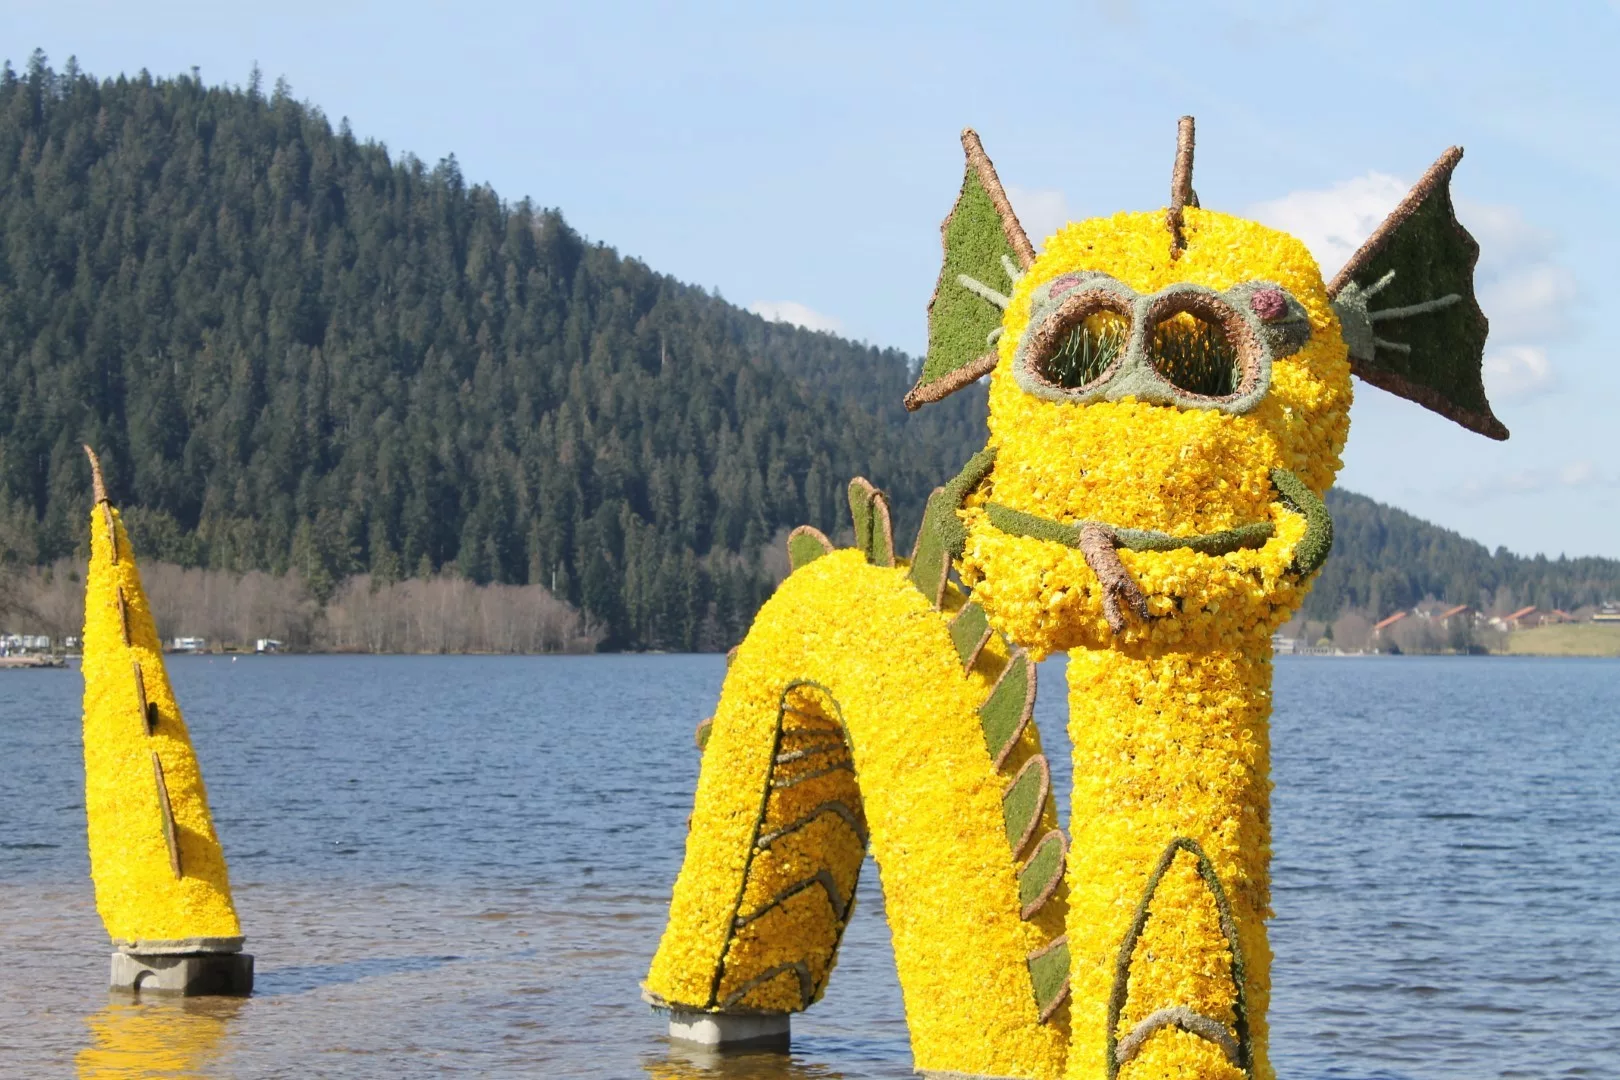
point(723, 1031)
point(187, 974)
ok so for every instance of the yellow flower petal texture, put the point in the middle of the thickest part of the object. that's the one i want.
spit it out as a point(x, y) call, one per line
point(160, 877)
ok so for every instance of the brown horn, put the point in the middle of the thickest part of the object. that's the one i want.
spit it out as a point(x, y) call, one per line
point(1181, 190)
point(97, 486)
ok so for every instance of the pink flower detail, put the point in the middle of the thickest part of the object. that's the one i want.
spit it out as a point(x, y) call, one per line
point(1061, 285)
point(1269, 304)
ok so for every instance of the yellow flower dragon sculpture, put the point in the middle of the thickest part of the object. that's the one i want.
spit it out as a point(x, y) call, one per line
point(1169, 396)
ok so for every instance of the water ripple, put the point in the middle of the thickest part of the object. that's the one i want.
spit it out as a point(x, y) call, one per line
point(460, 867)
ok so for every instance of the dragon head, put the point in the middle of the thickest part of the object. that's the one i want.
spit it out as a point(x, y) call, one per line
point(1169, 397)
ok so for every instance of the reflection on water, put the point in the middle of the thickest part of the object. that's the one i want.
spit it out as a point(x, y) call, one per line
point(155, 1036)
point(459, 867)
point(296, 980)
point(680, 1062)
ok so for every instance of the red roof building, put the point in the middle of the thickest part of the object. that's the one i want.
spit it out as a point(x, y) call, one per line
point(1391, 621)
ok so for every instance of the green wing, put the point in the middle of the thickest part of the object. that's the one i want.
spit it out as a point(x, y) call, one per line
point(985, 244)
point(1406, 302)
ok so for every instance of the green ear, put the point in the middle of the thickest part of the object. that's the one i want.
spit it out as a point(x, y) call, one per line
point(985, 249)
point(1406, 301)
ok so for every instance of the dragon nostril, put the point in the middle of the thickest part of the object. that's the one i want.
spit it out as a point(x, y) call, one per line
point(1269, 304)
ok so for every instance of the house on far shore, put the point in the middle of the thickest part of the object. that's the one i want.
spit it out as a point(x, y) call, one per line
point(20, 644)
point(1380, 627)
point(188, 644)
point(1437, 611)
point(1528, 617)
point(1608, 613)
point(1461, 611)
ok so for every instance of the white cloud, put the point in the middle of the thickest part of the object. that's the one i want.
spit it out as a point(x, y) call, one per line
point(791, 311)
point(1527, 295)
point(1041, 211)
point(1334, 221)
point(1517, 371)
point(1505, 237)
point(1528, 302)
point(1581, 473)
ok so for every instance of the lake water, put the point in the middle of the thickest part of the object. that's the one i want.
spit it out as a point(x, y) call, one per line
point(460, 866)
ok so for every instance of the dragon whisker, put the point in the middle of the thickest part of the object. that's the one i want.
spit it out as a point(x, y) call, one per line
point(980, 289)
point(1416, 309)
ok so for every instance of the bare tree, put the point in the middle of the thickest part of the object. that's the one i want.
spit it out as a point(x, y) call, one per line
point(436, 615)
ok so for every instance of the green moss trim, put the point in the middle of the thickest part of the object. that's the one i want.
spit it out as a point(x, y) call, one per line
point(822, 877)
point(797, 968)
point(1017, 523)
point(874, 530)
point(700, 736)
point(1049, 976)
point(843, 811)
point(805, 545)
point(1023, 801)
point(943, 537)
point(970, 632)
point(931, 554)
point(1042, 875)
point(1144, 910)
point(960, 486)
point(1312, 550)
point(1006, 712)
point(1184, 1018)
point(759, 842)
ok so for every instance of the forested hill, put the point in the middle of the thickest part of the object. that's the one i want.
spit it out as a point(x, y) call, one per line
point(294, 351)
point(1385, 560)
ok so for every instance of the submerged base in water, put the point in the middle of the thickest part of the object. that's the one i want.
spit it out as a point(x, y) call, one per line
point(727, 1031)
point(186, 974)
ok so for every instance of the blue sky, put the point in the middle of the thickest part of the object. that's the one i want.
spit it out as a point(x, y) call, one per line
point(799, 159)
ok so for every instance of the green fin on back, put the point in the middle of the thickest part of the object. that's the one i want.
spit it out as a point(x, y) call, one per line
point(805, 545)
point(982, 240)
point(1313, 548)
point(970, 632)
point(874, 532)
point(1049, 976)
point(1041, 875)
point(1006, 712)
point(1406, 303)
point(943, 536)
point(931, 557)
point(1023, 801)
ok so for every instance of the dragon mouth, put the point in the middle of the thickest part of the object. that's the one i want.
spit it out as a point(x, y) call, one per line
point(1100, 544)
point(1017, 523)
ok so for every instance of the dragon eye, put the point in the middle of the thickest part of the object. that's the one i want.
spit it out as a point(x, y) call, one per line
point(1194, 355)
point(1081, 343)
point(1200, 346)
